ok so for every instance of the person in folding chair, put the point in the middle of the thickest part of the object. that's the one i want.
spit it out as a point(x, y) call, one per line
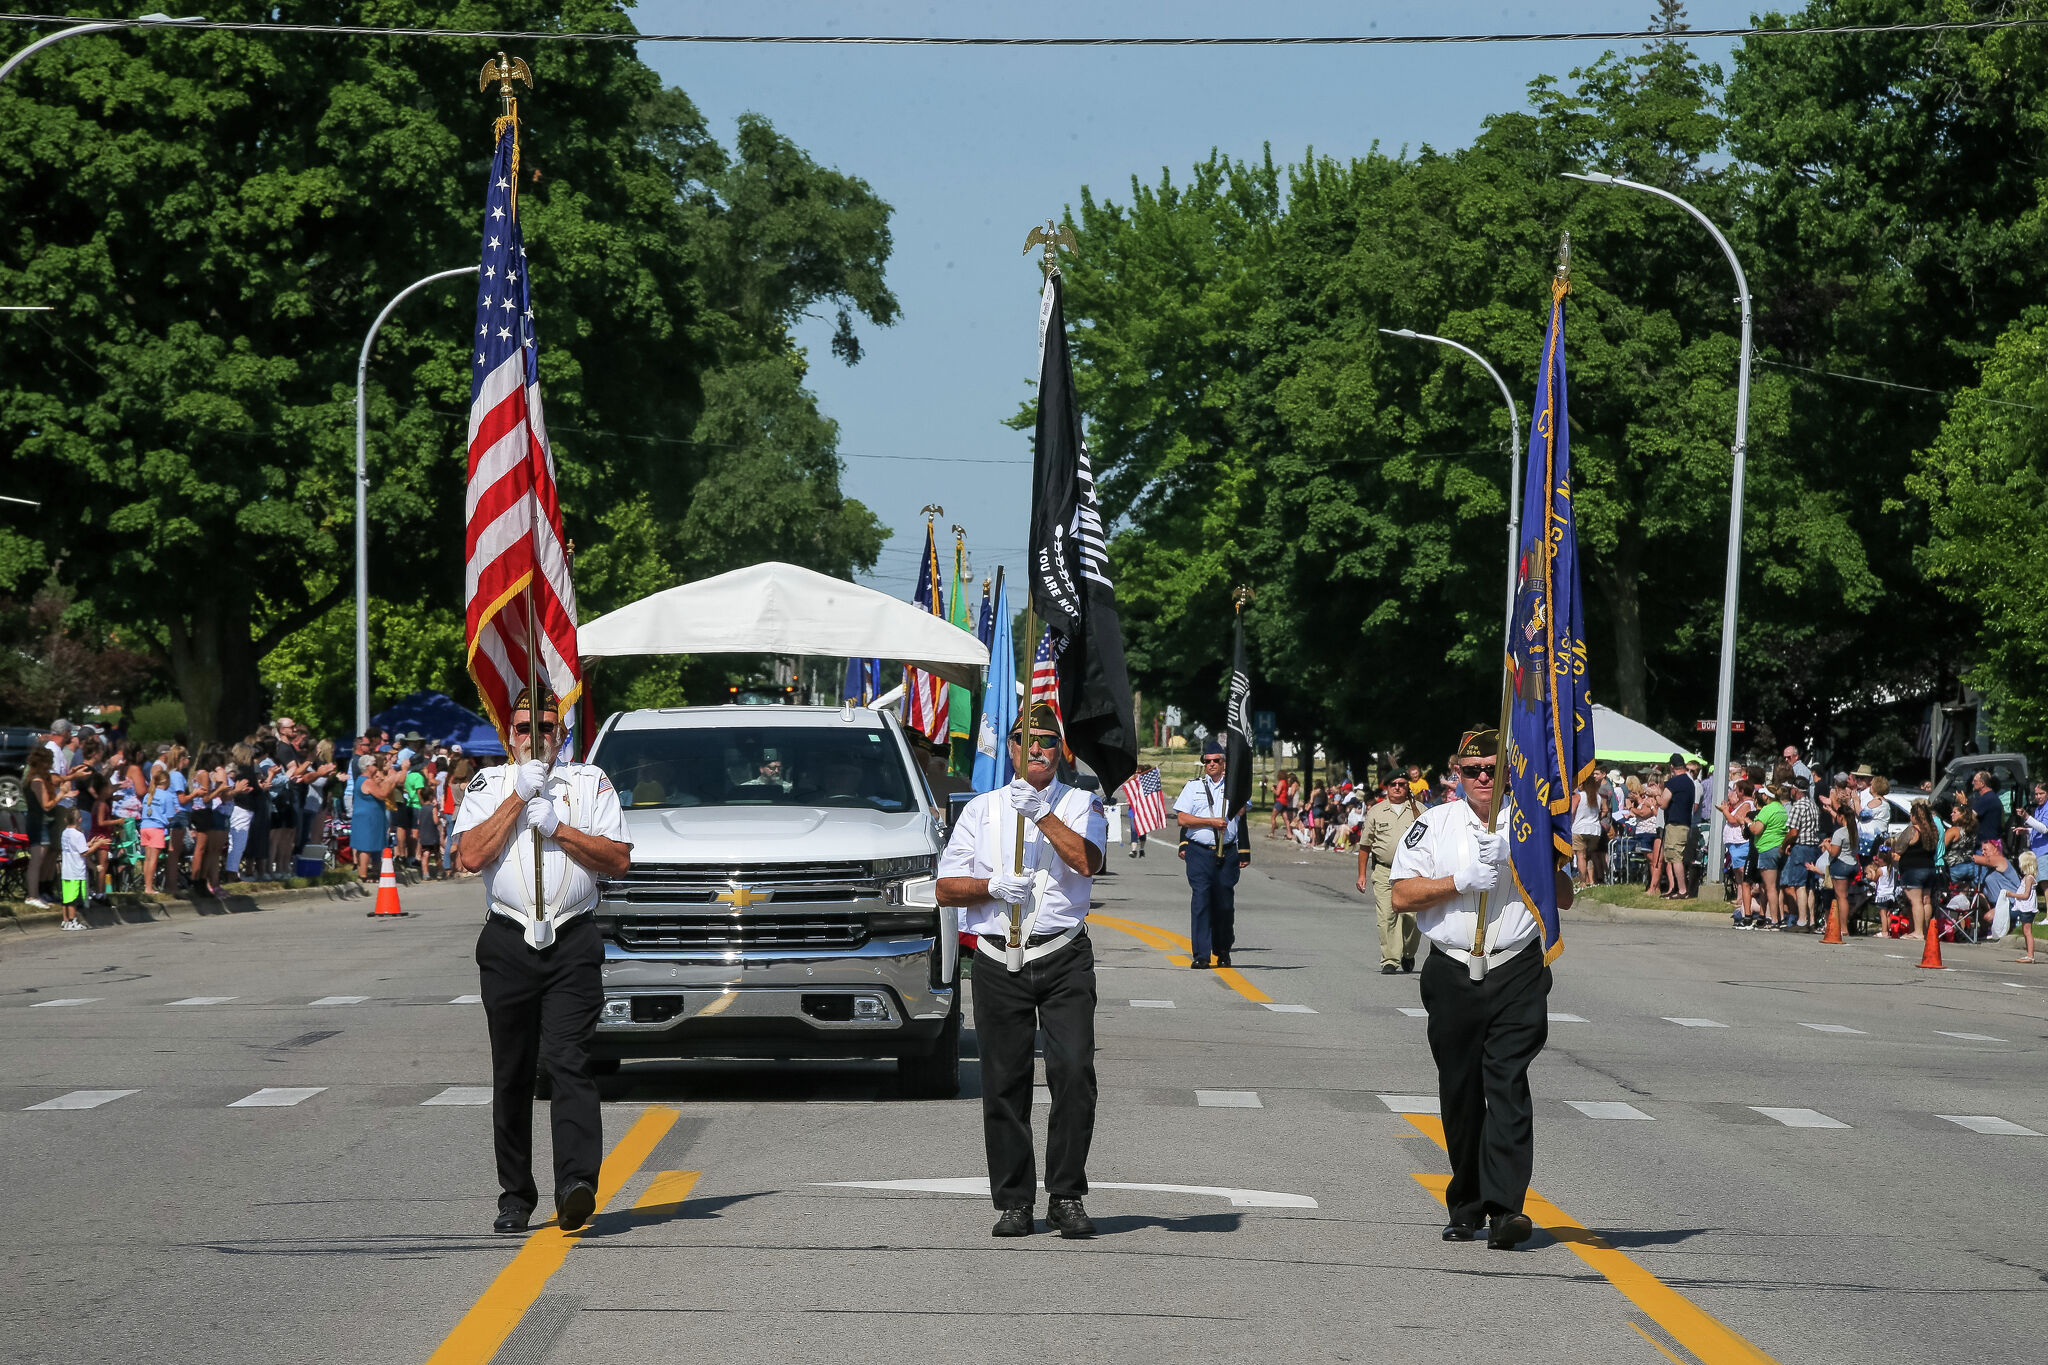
point(1046, 981)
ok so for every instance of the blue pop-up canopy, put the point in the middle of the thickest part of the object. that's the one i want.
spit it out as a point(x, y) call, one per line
point(444, 721)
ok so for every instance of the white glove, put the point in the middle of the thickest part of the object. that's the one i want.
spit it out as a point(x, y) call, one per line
point(1028, 800)
point(1009, 888)
point(2035, 825)
point(540, 813)
point(1480, 876)
point(529, 778)
point(1491, 847)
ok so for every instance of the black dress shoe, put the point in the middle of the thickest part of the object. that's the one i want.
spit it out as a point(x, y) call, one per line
point(1407, 964)
point(1069, 1219)
point(1200, 964)
point(1389, 969)
point(1455, 1231)
point(1509, 1230)
point(511, 1220)
point(1013, 1223)
point(1223, 959)
point(574, 1206)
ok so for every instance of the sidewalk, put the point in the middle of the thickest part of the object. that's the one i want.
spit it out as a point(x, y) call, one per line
point(17, 920)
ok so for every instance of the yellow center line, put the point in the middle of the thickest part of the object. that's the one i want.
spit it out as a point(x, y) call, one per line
point(666, 1192)
point(1707, 1339)
point(1166, 941)
point(490, 1319)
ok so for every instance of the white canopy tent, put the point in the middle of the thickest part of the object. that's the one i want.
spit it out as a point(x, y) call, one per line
point(781, 609)
point(1617, 739)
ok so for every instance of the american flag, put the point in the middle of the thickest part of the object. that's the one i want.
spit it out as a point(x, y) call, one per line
point(515, 571)
point(1144, 797)
point(1045, 675)
point(925, 695)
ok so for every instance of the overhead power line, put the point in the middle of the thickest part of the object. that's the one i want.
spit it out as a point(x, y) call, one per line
point(991, 40)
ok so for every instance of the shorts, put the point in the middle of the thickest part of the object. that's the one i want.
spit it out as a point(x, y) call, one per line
point(1675, 839)
point(1738, 855)
point(74, 892)
point(1797, 873)
point(1770, 859)
point(1589, 844)
point(202, 822)
point(1919, 878)
point(1842, 869)
point(153, 838)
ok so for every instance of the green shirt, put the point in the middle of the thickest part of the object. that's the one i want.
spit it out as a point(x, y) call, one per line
point(1772, 820)
point(415, 785)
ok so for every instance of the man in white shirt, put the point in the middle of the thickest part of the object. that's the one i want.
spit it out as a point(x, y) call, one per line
point(541, 963)
point(1046, 982)
point(59, 744)
point(1212, 866)
point(1488, 1013)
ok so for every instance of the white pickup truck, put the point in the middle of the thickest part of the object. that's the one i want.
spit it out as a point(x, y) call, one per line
point(781, 900)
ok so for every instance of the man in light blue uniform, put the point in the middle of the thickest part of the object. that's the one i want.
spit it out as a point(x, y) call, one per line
point(1213, 847)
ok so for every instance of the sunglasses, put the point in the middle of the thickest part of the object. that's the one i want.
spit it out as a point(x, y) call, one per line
point(1049, 743)
point(546, 728)
point(1213, 758)
point(1476, 772)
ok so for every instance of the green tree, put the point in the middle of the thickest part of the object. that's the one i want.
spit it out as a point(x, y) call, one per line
point(215, 216)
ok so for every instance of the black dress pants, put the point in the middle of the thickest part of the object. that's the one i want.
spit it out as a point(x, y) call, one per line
point(542, 1005)
point(1483, 1035)
point(1057, 994)
point(1212, 908)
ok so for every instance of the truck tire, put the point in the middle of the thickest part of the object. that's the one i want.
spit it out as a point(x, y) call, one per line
point(935, 1075)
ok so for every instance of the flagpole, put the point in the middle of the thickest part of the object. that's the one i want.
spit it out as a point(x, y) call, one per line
point(1560, 285)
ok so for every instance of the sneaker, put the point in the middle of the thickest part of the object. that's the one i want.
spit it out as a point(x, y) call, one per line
point(71, 925)
point(36, 903)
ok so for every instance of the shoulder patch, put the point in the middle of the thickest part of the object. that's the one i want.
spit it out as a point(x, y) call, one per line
point(479, 782)
point(1095, 803)
point(1415, 833)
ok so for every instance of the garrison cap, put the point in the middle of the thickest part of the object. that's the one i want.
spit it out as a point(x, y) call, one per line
point(548, 701)
point(1212, 745)
point(1479, 743)
point(1040, 716)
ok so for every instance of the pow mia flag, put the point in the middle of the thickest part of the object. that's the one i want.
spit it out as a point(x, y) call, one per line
point(1237, 743)
point(1070, 587)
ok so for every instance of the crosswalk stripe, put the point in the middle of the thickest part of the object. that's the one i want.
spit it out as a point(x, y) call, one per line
point(1990, 1124)
point(1152, 1004)
point(1798, 1118)
point(1695, 1023)
point(341, 999)
point(1609, 1109)
point(1228, 1099)
point(1413, 1012)
point(467, 1000)
point(1970, 1037)
point(277, 1097)
point(461, 1094)
point(54, 1004)
point(1556, 1018)
point(204, 1000)
point(1412, 1104)
point(81, 1099)
point(1287, 1009)
point(1829, 1028)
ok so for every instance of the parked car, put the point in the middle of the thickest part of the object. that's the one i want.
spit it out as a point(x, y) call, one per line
point(15, 743)
point(782, 896)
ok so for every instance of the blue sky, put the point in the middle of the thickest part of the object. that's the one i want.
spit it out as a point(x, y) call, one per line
point(972, 147)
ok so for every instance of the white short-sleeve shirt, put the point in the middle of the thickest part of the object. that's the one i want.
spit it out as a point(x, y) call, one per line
point(1437, 845)
point(984, 843)
point(1204, 796)
point(584, 800)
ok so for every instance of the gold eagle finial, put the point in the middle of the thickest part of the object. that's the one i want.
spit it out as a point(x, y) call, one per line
point(505, 70)
point(1052, 237)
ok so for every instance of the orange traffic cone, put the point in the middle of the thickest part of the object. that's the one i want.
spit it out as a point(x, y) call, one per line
point(1834, 933)
point(1930, 957)
point(387, 892)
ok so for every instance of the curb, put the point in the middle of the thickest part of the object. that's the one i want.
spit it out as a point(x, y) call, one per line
point(131, 908)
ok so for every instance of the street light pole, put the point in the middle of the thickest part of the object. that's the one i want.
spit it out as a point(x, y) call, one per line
point(100, 26)
point(1724, 692)
point(1514, 467)
point(363, 493)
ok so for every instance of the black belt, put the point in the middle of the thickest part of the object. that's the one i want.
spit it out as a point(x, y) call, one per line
point(1000, 942)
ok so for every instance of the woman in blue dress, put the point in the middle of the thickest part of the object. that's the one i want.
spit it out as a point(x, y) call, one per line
point(369, 827)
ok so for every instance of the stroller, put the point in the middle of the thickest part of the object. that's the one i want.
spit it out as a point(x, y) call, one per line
point(13, 865)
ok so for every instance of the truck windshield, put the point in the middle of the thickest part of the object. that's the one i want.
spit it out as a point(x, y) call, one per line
point(758, 765)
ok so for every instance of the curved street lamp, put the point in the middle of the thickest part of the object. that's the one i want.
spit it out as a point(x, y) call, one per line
point(98, 26)
point(363, 493)
point(1724, 691)
point(1514, 465)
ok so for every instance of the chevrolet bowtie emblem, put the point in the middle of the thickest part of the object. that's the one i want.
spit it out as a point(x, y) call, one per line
point(740, 897)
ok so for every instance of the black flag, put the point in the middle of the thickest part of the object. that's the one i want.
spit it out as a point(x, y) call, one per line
point(1070, 587)
point(1237, 742)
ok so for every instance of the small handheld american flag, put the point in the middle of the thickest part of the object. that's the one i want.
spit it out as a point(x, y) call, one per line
point(1146, 799)
point(1045, 676)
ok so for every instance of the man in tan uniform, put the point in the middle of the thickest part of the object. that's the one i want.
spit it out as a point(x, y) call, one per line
point(1385, 823)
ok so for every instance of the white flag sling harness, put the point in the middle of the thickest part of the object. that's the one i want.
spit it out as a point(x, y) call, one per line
point(1014, 955)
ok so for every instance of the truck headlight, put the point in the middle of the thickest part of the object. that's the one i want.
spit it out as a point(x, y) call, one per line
point(918, 892)
point(920, 866)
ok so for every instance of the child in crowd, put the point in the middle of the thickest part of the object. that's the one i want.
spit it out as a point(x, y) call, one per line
point(71, 865)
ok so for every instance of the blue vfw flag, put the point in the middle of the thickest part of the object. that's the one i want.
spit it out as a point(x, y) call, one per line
point(1550, 718)
point(863, 681)
point(998, 703)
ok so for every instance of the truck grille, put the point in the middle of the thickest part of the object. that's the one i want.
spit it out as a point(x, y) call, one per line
point(772, 883)
point(730, 933)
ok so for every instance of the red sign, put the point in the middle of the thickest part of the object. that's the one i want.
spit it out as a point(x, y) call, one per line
point(1708, 726)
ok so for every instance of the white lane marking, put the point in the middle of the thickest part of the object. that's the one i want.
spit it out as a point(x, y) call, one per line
point(1695, 1023)
point(341, 999)
point(978, 1185)
point(2016, 985)
point(1970, 1037)
point(1152, 1004)
point(81, 1099)
point(1412, 1104)
point(1287, 1009)
point(1829, 1028)
point(1228, 1099)
point(53, 1004)
point(1900, 956)
point(204, 1000)
point(1609, 1109)
point(1567, 1019)
point(277, 1097)
point(1798, 1118)
point(1989, 1123)
point(461, 1094)
point(1413, 1013)
point(467, 1000)
point(1041, 1094)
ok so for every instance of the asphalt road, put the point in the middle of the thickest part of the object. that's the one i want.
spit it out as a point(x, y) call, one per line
point(168, 1223)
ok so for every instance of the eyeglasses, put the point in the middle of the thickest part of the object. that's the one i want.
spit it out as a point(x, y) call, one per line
point(1476, 772)
point(521, 728)
point(1213, 758)
point(1047, 743)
